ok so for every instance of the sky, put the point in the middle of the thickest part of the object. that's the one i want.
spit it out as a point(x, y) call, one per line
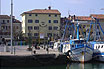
point(66, 7)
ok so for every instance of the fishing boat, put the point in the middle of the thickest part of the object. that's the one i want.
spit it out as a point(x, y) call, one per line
point(98, 45)
point(78, 49)
point(98, 50)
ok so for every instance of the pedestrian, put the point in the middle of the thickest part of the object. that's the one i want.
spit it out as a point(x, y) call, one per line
point(47, 50)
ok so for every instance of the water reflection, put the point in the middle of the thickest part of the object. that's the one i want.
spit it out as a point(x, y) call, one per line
point(85, 66)
point(68, 66)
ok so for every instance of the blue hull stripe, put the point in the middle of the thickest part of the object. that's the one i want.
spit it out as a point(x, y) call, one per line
point(98, 53)
point(83, 47)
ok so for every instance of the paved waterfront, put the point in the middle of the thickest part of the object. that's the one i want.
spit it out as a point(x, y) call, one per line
point(22, 50)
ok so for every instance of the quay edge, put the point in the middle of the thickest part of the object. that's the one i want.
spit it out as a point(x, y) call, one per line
point(32, 60)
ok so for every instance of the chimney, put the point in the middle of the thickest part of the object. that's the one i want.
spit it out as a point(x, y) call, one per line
point(49, 7)
point(12, 17)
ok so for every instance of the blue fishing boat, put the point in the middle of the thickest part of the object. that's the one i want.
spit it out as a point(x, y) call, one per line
point(78, 49)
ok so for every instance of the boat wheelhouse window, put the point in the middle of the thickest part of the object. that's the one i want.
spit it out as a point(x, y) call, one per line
point(72, 46)
point(79, 41)
point(102, 46)
point(98, 46)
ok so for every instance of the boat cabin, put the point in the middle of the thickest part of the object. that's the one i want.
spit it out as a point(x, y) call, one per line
point(98, 46)
point(75, 43)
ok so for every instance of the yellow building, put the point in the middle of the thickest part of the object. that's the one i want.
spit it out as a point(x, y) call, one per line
point(41, 23)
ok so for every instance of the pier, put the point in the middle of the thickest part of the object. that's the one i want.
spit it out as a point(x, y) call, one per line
point(22, 57)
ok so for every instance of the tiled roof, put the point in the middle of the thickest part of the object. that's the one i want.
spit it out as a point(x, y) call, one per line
point(4, 17)
point(8, 17)
point(84, 18)
point(16, 21)
point(44, 11)
point(99, 16)
point(81, 18)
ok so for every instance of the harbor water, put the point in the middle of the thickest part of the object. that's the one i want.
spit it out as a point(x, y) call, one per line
point(64, 66)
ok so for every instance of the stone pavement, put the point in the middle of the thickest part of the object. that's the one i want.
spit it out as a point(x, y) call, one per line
point(22, 51)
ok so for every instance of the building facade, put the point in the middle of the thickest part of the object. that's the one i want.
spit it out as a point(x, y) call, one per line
point(85, 25)
point(100, 18)
point(5, 27)
point(41, 23)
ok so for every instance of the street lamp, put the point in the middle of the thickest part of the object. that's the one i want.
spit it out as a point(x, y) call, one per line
point(11, 26)
point(0, 6)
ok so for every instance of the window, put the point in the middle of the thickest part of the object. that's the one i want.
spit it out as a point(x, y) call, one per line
point(49, 15)
point(55, 15)
point(102, 46)
point(50, 27)
point(49, 21)
point(17, 27)
point(49, 34)
point(36, 27)
point(6, 27)
point(55, 28)
point(29, 27)
point(36, 21)
point(30, 21)
point(30, 15)
point(7, 21)
point(55, 21)
point(36, 34)
point(98, 46)
point(29, 34)
point(36, 14)
point(3, 21)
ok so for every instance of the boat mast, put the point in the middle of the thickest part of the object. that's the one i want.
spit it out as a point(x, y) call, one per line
point(77, 29)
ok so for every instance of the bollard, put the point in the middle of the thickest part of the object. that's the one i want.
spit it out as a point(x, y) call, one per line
point(47, 49)
point(14, 50)
point(5, 49)
point(32, 50)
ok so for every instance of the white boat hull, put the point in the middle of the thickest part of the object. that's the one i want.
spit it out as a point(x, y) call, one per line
point(99, 51)
point(99, 58)
point(81, 55)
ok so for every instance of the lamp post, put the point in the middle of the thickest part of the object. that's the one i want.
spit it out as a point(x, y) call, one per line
point(0, 7)
point(11, 26)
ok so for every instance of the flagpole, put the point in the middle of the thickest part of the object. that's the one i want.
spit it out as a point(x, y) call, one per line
point(11, 26)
